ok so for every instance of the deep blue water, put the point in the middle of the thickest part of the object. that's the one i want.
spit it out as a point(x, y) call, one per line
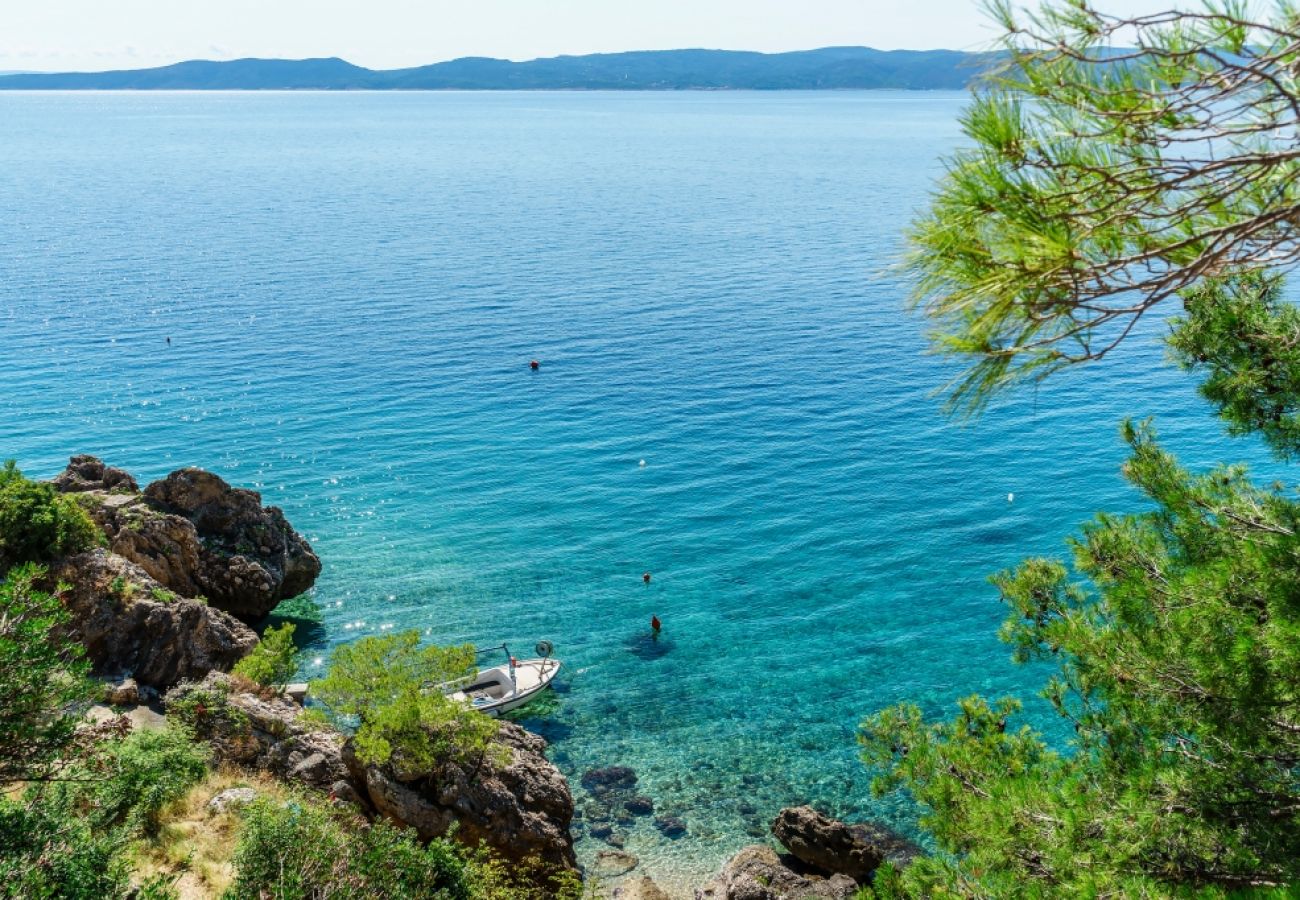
point(354, 285)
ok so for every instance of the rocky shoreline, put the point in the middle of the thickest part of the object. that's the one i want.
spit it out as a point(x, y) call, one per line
point(164, 610)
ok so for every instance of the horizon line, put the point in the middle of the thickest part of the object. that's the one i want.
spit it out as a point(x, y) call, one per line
point(4, 73)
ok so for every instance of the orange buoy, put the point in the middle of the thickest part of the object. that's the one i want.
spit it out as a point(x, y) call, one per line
point(534, 365)
point(655, 623)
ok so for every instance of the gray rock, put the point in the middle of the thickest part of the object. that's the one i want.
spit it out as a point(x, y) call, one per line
point(231, 798)
point(115, 616)
point(197, 536)
point(249, 557)
point(265, 734)
point(87, 473)
point(313, 769)
point(834, 847)
point(522, 809)
point(122, 693)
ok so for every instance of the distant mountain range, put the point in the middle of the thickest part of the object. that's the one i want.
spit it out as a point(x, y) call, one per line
point(829, 68)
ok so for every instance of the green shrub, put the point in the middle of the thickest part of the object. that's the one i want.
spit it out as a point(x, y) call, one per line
point(47, 850)
point(300, 850)
point(143, 772)
point(37, 523)
point(42, 676)
point(207, 712)
point(273, 662)
point(389, 685)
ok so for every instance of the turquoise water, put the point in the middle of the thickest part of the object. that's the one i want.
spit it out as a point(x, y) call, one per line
point(354, 285)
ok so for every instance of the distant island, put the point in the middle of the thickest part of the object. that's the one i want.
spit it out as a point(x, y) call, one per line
point(830, 68)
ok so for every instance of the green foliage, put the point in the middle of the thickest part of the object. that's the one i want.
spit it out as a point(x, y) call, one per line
point(1097, 183)
point(207, 713)
point(48, 851)
point(300, 850)
point(1178, 671)
point(38, 524)
point(162, 595)
point(389, 685)
point(42, 676)
point(273, 662)
point(139, 775)
point(1247, 341)
point(69, 839)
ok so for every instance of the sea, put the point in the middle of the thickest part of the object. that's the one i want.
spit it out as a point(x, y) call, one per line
point(731, 395)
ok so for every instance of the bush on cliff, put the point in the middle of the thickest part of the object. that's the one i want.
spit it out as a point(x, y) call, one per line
point(37, 523)
point(71, 837)
point(273, 662)
point(302, 850)
point(42, 677)
point(389, 686)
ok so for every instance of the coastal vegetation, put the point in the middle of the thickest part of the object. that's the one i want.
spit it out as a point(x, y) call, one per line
point(1100, 184)
point(383, 684)
point(94, 805)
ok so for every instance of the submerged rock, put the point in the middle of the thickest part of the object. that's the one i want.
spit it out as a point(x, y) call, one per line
point(834, 847)
point(640, 889)
point(757, 873)
point(639, 806)
point(608, 780)
point(613, 863)
point(670, 826)
point(131, 624)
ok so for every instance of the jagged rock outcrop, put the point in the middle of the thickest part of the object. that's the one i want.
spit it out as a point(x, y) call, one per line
point(198, 536)
point(88, 473)
point(757, 873)
point(831, 846)
point(131, 624)
point(264, 732)
point(520, 810)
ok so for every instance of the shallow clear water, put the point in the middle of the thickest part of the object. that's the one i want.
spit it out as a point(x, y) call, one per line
point(354, 285)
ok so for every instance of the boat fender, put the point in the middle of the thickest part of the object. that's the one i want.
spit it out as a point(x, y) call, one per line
point(544, 648)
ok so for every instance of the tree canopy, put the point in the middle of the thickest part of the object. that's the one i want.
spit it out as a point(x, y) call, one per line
point(1113, 162)
point(1116, 163)
point(390, 687)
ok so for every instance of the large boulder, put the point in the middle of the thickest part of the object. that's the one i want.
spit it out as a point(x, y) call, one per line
point(757, 873)
point(263, 731)
point(250, 558)
point(521, 809)
point(831, 846)
point(132, 625)
point(196, 535)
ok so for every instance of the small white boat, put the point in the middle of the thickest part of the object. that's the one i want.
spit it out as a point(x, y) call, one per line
point(510, 685)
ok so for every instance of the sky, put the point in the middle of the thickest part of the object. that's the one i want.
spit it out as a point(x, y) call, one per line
point(94, 35)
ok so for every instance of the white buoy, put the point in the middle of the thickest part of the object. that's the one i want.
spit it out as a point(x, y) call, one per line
point(1010, 497)
point(642, 463)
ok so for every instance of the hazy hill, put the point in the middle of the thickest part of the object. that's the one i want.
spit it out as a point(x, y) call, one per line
point(827, 68)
